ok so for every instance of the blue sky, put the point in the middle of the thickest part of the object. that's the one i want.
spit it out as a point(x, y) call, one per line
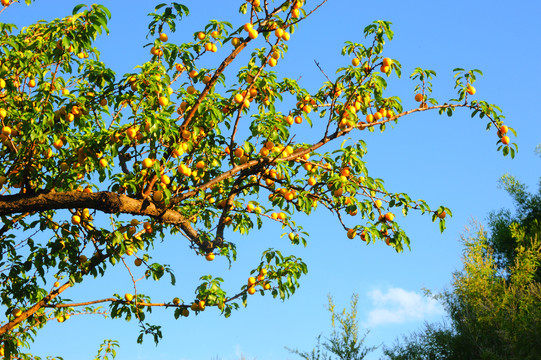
point(450, 161)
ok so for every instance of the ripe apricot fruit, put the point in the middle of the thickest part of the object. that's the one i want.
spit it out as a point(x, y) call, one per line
point(253, 34)
point(58, 144)
point(389, 216)
point(442, 215)
point(163, 101)
point(147, 163)
point(157, 196)
point(210, 256)
point(238, 98)
point(289, 120)
point(418, 97)
point(163, 37)
point(352, 233)
point(369, 118)
point(165, 179)
point(470, 89)
point(200, 164)
point(239, 152)
point(505, 140)
point(504, 129)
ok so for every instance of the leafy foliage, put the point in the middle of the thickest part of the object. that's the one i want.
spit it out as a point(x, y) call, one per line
point(96, 167)
point(527, 213)
point(433, 342)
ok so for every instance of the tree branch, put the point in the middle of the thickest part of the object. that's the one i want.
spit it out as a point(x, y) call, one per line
point(105, 201)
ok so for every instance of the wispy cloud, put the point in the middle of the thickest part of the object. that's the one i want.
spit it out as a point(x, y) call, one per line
point(396, 306)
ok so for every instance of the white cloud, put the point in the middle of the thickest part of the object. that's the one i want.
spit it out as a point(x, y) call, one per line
point(397, 306)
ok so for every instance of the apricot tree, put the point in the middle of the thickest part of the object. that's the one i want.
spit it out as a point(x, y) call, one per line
point(95, 167)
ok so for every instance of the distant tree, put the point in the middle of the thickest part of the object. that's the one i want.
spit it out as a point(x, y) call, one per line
point(492, 316)
point(433, 342)
point(344, 343)
point(527, 213)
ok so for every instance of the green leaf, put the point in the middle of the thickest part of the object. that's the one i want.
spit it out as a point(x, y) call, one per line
point(77, 8)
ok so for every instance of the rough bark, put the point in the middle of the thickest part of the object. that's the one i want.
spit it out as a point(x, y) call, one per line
point(104, 201)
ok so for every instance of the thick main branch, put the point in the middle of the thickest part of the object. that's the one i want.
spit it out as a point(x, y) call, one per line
point(104, 201)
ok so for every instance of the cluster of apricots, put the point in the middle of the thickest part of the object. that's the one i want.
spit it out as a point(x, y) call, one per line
point(260, 279)
point(198, 305)
point(209, 45)
point(388, 217)
point(501, 133)
point(378, 115)
point(384, 68)
point(280, 33)
point(82, 217)
point(185, 312)
point(157, 51)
